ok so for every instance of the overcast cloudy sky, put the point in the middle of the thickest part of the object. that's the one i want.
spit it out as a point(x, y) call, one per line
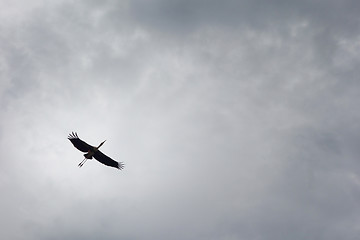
point(236, 119)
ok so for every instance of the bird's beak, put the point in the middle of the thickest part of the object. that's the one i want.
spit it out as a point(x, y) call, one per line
point(101, 144)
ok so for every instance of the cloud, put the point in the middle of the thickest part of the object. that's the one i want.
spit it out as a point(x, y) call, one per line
point(234, 119)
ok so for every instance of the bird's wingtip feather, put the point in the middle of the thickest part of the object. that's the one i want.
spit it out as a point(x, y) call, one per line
point(121, 165)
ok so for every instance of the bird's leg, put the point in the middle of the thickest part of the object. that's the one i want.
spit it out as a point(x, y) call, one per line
point(82, 162)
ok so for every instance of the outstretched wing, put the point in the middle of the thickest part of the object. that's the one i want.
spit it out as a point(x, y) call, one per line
point(78, 143)
point(98, 155)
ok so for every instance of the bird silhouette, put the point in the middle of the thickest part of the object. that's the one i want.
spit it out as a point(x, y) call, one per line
point(91, 151)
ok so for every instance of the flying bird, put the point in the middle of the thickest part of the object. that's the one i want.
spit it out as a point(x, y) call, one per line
point(91, 151)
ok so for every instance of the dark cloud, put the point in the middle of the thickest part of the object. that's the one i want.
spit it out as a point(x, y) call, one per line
point(183, 16)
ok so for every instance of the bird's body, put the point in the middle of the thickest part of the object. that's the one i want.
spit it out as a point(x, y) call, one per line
point(91, 151)
point(89, 154)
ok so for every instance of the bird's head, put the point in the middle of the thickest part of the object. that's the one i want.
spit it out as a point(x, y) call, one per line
point(101, 144)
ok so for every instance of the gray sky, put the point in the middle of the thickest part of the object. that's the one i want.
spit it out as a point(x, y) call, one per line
point(235, 119)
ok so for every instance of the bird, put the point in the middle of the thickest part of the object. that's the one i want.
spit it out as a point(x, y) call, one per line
point(91, 151)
